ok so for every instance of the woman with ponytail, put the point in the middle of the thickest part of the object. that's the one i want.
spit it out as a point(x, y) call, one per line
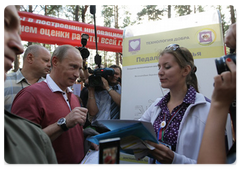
point(179, 117)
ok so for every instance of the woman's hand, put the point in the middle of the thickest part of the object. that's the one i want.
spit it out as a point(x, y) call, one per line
point(225, 86)
point(161, 153)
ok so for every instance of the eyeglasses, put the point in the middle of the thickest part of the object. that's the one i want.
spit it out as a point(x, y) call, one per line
point(175, 47)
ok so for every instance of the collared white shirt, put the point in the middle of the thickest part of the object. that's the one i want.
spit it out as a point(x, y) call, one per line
point(54, 88)
point(103, 101)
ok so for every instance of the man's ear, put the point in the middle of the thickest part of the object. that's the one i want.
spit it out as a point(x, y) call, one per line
point(54, 61)
point(30, 58)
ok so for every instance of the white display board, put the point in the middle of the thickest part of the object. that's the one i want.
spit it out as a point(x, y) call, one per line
point(200, 33)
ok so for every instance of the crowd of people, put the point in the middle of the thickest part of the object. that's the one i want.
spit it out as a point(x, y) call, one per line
point(45, 123)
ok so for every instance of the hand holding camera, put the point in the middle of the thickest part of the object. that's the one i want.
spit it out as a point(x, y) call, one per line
point(99, 77)
point(105, 83)
point(224, 94)
point(230, 41)
point(213, 146)
point(225, 85)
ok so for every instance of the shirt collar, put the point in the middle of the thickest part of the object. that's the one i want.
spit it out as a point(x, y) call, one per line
point(189, 98)
point(115, 87)
point(20, 77)
point(53, 86)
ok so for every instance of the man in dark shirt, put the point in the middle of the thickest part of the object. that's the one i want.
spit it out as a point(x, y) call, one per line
point(24, 141)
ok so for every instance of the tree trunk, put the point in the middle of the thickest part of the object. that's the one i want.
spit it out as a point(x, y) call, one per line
point(45, 13)
point(76, 13)
point(30, 10)
point(116, 26)
point(117, 59)
point(188, 9)
point(169, 11)
point(232, 14)
point(84, 10)
point(16, 63)
point(105, 63)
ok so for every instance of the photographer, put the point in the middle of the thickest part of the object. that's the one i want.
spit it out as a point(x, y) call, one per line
point(105, 104)
point(213, 142)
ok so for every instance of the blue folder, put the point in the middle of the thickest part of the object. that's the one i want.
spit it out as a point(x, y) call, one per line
point(123, 128)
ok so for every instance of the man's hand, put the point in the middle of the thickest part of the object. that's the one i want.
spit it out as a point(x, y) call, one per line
point(95, 146)
point(76, 116)
point(105, 83)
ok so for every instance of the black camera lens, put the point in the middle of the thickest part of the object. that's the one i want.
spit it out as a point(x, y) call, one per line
point(221, 63)
point(84, 52)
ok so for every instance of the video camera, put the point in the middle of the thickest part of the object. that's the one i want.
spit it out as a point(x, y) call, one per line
point(95, 80)
point(83, 50)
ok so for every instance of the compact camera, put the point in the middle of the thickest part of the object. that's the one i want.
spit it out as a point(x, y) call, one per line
point(221, 63)
point(95, 80)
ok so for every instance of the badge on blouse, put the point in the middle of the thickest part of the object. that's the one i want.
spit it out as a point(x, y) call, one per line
point(163, 124)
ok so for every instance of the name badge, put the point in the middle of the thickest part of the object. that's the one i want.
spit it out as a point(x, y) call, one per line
point(169, 146)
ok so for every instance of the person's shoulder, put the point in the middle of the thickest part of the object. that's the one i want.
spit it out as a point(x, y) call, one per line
point(11, 76)
point(158, 99)
point(41, 79)
point(16, 119)
point(36, 86)
point(27, 126)
point(200, 98)
point(10, 81)
point(32, 90)
point(119, 88)
point(14, 75)
point(202, 105)
point(156, 102)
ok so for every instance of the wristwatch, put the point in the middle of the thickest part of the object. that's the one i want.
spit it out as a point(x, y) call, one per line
point(62, 123)
point(110, 88)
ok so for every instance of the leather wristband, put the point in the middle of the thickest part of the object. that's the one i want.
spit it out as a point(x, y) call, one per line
point(62, 123)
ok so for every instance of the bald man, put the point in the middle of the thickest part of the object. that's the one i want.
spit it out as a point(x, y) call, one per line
point(36, 64)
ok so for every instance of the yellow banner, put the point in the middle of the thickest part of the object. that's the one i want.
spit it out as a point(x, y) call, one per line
point(198, 53)
point(202, 41)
